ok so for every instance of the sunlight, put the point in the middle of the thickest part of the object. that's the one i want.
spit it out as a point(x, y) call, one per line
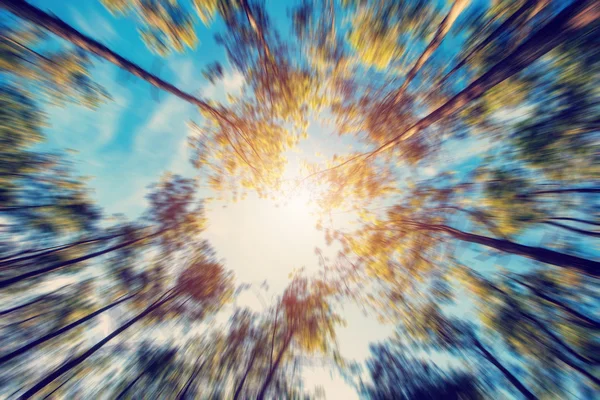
point(265, 240)
point(299, 199)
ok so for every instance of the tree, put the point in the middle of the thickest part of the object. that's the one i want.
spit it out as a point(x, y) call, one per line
point(307, 319)
point(397, 375)
point(208, 287)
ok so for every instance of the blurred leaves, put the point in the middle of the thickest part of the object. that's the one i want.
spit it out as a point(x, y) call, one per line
point(471, 176)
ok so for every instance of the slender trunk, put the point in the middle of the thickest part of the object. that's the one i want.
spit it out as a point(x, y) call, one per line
point(569, 24)
point(481, 217)
point(49, 395)
point(491, 37)
point(55, 249)
point(69, 365)
point(273, 336)
point(440, 34)
point(33, 207)
point(571, 351)
point(572, 229)
point(259, 32)
point(24, 320)
point(32, 302)
point(238, 389)
point(271, 374)
point(65, 31)
point(581, 221)
point(582, 265)
point(589, 322)
point(507, 374)
point(576, 367)
point(23, 349)
point(197, 368)
point(15, 279)
point(563, 191)
point(132, 383)
point(30, 51)
point(542, 326)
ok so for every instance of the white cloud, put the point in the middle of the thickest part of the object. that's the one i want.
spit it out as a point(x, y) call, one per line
point(180, 164)
point(94, 25)
point(164, 128)
point(429, 171)
point(233, 82)
point(513, 114)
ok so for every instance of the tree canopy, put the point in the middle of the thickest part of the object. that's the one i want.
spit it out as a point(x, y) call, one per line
point(464, 152)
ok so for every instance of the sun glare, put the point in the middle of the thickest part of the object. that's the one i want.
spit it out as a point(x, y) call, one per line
point(266, 240)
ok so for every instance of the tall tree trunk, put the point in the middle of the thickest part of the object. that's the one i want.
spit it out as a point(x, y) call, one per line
point(440, 34)
point(581, 221)
point(55, 249)
point(543, 327)
point(33, 207)
point(197, 368)
point(572, 22)
point(133, 382)
point(65, 31)
point(273, 336)
point(23, 349)
point(32, 302)
point(567, 190)
point(271, 374)
point(67, 366)
point(489, 39)
point(259, 32)
point(240, 385)
point(587, 321)
point(507, 374)
point(15, 279)
point(572, 229)
point(55, 25)
point(582, 265)
point(49, 395)
point(571, 351)
point(562, 357)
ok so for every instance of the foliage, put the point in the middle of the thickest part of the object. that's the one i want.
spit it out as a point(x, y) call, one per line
point(473, 132)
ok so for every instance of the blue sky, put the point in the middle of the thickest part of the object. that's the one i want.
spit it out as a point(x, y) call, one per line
point(127, 143)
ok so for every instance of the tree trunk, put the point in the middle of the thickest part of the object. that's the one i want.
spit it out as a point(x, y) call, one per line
point(489, 39)
point(133, 382)
point(440, 34)
point(576, 367)
point(15, 279)
point(67, 366)
point(507, 374)
point(33, 207)
point(238, 389)
point(32, 302)
point(197, 368)
point(581, 221)
point(572, 229)
point(273, 336)
point(589, 322)
point(259, 32)
point(23, 349)
point(49, 395)
point(271, 374)
point(582, 265)
point(65, 31)
point(562, 191)
point(569, 24)
point(571, 351)
point(542, 326)
point(55, 249)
